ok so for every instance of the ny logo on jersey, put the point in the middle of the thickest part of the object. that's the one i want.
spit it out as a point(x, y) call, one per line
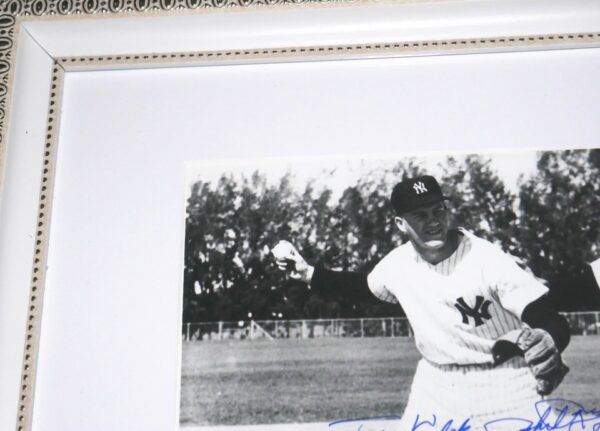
point(419, 187)
point(479, 312)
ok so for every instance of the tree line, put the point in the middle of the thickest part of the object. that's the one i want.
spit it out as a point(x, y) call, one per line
point(551, 224)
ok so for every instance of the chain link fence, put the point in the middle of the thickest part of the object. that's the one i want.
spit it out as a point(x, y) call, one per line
point(581, 323)
point(305, 328)
point(584, 322)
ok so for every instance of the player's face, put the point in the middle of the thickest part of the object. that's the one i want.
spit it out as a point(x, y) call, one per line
point(426, 226)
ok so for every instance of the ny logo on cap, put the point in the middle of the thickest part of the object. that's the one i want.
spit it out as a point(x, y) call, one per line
point(419, 187)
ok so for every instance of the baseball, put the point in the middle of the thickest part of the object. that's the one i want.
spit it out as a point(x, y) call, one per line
point(283, 250)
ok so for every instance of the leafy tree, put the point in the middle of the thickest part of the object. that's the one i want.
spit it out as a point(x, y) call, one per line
point(559, 223)
point(480, 200)
point(231, 226)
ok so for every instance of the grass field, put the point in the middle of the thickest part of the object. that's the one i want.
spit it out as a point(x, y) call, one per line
point(325, 379)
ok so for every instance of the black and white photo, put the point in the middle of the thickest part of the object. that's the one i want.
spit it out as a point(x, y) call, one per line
point(464, 279)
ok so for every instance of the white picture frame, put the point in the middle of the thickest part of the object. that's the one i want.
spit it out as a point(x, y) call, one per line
point(44, 40)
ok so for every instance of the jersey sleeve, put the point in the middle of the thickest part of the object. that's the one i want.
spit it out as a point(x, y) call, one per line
point(349, 284)
point(376, 281)
point(595, 265)
point(515, 287)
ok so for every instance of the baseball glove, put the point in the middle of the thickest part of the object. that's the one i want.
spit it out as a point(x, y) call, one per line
point(540, 353)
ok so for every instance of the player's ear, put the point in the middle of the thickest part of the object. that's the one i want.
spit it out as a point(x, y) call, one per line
point(400, 223)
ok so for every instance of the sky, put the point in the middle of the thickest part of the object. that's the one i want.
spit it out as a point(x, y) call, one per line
point(342, 171)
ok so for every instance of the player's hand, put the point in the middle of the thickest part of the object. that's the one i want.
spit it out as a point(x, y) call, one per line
point(543, 357)
point(289, 259)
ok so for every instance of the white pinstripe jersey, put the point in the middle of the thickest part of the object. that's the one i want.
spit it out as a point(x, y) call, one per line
point(458, 307)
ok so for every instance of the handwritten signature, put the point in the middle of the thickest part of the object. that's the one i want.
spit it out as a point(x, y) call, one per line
point(549, 415)
point(552, 414)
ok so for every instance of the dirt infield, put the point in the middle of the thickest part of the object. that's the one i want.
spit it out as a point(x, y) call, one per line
point(326, 379)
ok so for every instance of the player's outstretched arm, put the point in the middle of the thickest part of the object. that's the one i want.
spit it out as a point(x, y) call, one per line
point(349, 284)
point(327, 282)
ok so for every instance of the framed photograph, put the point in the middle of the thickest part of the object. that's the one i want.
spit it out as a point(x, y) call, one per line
point(154, 153)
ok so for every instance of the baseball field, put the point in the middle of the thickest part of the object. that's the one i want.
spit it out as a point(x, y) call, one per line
point(326, 379)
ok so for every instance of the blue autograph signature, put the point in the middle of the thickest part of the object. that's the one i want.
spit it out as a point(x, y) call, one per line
point(550, 415)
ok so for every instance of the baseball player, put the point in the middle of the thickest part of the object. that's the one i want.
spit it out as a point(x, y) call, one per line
point(490, 346)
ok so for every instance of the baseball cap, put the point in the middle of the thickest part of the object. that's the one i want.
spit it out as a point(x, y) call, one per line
point(414, 193)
